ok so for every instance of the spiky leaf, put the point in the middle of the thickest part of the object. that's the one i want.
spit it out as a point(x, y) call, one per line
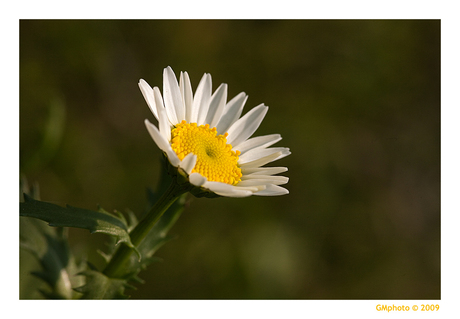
point(45, 254)
point(99, 286)
point(56, 265)
point(95, 221)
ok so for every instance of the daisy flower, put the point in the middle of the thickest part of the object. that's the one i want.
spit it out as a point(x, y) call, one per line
point(206, 141)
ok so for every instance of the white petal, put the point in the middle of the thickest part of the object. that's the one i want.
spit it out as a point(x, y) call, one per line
point(253, 188)
point(162, 143)
point(165, 126)
point(256, 154)
point(251, 180)
point(265, 160)
point(187, 94)
point(172, 158)
point(188, 163)
point(157, 137)
point(158, 99)
point(247, 125)
point(147, 92)
point(171, 94)
point(216, 105)
point(227, 189)
point(249, 183)
point(236, 194)
point(273, 190)
point(263, 171)
point(232, 112)
point(201, 100)
point(197, 179)
point(257, 142)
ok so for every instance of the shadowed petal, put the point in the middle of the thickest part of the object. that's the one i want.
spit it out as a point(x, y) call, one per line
point(187, 94)
point(227, 190)
point(197, 179)
point(216, 105)
point(257, 142)
point(172, 97)
point(247, 125)
point(264, 170)
point(188, 163)
point(251, 180)
point(256, 154)
point(147, 92)
point(164, 124)
point(232, 112)
point(162, 143)
point(273, 190)
point(201, 100)
point(265, 160)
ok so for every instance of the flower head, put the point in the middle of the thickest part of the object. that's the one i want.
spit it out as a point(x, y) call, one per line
point(204, 138)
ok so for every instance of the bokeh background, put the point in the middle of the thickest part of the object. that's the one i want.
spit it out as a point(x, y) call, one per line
point(357, 102)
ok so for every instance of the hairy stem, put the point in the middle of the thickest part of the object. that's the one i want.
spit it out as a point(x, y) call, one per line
point(116, 267)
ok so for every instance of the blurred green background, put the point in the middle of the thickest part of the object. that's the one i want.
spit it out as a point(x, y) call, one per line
point(357, 102)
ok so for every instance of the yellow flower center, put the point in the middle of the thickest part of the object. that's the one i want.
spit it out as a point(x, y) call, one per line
point(215, 159)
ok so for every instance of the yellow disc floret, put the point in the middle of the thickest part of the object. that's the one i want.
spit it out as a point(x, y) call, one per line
point(215, 158)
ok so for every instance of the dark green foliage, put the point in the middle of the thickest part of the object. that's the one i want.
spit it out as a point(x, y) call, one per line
point(57, 267)
point(158, 236)
point(99, 286)
point(95, 222)
point(53, 263)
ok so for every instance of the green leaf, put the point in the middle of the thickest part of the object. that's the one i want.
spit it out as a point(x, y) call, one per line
point(99, 286)
point(95, 222)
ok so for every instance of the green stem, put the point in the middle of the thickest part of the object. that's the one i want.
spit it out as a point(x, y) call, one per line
point(116, 267)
